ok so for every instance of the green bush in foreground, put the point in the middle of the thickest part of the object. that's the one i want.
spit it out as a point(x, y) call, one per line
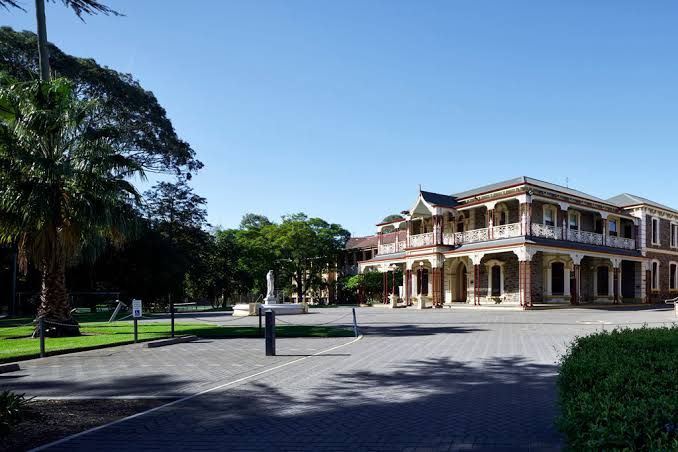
point(12, 409)
point(618, 390)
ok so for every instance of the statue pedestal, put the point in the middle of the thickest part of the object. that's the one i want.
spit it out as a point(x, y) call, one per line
point(245, 309)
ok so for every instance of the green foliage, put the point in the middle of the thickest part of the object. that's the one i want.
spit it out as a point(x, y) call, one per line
point(143, 131)
point(618, 390)
point(13, 407)
point(392, 217)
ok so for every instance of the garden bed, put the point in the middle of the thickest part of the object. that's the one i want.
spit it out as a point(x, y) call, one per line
point(619, 390)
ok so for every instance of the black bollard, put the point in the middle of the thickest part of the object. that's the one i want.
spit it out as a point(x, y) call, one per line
point(41, 327)
point(136, 331)
point(270, 333)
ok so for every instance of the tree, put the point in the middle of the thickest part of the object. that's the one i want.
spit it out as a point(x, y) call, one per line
point(64, 185)
point(179, 215)
point(392, 217)
point(306, 248)
point(144, 131)
point(80, 7)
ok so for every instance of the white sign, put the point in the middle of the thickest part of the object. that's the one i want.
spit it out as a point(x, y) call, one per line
point(136, 309)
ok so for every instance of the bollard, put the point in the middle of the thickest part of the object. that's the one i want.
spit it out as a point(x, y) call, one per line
point(136, 331)
point(172, 319)
point(270, 333)
point(41, 328)
point(355, 324)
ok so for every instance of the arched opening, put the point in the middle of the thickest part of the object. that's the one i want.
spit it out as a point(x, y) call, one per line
point(422, 281)
point(557, 278)
point(462, 282)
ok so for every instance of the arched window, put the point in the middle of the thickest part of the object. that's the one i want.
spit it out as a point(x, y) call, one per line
point(655, 275)
point(603, 280)
point(673, 276)
point(461, 222)
point(557, 278)
point(495, 278)
point(501, 215)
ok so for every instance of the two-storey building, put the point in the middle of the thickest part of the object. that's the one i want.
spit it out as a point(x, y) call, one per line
point(525, 241)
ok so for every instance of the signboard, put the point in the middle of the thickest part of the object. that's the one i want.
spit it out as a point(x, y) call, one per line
point(136, 309)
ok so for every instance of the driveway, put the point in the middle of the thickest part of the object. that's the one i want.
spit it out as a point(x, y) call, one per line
point(417, 380)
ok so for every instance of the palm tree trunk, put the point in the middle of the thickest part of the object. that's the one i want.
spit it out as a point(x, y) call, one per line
point(54, 305)
point(43, 52)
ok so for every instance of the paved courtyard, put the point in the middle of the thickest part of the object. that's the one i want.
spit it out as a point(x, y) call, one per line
point(417, 380)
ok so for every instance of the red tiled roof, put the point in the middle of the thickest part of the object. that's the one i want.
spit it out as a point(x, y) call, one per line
point(369, 241)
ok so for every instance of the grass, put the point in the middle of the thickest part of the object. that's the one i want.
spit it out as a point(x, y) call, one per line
point(618, 390)
point(16, 342)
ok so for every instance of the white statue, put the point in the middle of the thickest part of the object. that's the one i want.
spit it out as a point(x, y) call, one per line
point(270, 289)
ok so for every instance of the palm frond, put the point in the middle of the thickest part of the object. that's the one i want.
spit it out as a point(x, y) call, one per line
point(89, 7)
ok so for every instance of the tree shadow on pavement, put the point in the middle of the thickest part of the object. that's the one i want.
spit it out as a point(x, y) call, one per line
point(435, 403)
point(414, 329)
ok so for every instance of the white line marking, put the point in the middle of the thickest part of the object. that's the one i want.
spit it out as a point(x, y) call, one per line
point(184, 399)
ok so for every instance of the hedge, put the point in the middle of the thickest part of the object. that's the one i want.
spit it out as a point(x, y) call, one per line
point(618, 390)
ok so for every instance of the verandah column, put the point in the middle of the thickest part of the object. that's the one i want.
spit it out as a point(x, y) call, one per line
point(408, 283)
point(476, 259)
point(525, 275)
point(616, 279)
point(385, 294)
point(437, 264)
point(576, 296)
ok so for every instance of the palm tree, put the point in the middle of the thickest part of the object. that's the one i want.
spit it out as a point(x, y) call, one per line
point(64, 187)
point(80, 7)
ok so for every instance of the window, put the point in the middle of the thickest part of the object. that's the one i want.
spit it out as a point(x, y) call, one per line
point(655, 231)
point(573, 221)
point(612, 227)
point(549, 216)
point(496, 281)
point(674, 235)
point(603, 281)
point(557, 278)
point(655, 275)
point(673, 276)
point(422, 282)
point(501, 215)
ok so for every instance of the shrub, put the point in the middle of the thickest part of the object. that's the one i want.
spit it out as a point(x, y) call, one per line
point(618, 390)
point(12, 410)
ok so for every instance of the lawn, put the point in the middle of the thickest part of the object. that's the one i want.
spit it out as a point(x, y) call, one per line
point(16, 342)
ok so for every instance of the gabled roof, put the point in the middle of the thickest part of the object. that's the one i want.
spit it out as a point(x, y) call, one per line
point(436, 199)
point(370, 241)
point(628, 200)
point(530, 181)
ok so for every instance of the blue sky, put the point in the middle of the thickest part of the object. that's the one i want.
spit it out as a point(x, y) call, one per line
point(341, 108)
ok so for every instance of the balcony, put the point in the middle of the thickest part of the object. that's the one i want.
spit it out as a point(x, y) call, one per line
point(508, 231)
point(392, 248)
point(420, 240)
point(587, 237)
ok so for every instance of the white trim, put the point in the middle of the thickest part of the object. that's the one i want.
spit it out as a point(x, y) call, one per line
point(675, 275)
point(659, 235)
point(554, 213)
point(577, 215)
point(490, 264)
point(654, 283)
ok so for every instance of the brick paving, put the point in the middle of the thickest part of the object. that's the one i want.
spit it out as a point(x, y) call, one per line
point(418, 381)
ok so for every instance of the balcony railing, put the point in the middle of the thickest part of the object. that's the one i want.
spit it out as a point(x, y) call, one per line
point(472, 236)
point(549, 232)
point(590, 238)
point(508, 231)
point(392, 248)
point(621, 242)
point(419, 240)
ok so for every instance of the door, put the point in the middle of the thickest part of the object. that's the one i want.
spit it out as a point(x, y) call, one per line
point(463, 283)
point(628, 276)
point(573, 289)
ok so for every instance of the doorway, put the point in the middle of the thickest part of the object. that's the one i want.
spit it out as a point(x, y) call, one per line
point(462, 282)
point(628, 276)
